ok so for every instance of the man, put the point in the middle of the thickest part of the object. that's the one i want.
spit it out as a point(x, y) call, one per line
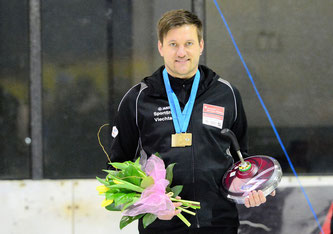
point(179, 112)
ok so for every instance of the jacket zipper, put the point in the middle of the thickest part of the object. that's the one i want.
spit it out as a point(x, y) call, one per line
point(193, 171)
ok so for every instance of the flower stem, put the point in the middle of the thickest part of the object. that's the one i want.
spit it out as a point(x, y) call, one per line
point(185, 201)
point(187, 205)
point(184, 219)
point(187, 211)
point(125, 184)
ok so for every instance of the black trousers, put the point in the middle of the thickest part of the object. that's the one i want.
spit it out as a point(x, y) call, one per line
point(208, 230)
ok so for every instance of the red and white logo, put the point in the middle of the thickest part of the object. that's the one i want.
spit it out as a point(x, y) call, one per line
point(213, 115)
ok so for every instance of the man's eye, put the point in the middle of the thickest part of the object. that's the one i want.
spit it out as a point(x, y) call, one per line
point(189, 43)
point(173, 44)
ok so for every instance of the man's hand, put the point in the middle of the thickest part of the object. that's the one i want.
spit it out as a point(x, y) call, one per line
point(256, 198)
point(175, 212)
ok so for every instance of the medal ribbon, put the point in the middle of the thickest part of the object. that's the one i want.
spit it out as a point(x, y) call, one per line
point(181, 119)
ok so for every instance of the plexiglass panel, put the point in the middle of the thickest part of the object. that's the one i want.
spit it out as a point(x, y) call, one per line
point(14, 90)
point(75, 86)
point(92, 55)
point(287, 48)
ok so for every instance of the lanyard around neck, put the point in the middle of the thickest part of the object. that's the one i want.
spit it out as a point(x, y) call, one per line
point(181, 119)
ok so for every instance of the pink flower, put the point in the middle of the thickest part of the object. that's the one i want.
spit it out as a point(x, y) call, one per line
point(155, 168)
point(153, 199)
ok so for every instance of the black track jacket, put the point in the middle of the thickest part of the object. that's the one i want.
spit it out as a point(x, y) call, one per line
point(144, 122)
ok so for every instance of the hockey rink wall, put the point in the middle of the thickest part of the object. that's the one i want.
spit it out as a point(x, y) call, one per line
point(73, 207)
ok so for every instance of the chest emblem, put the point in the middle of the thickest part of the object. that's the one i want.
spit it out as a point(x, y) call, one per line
point(213, 115)
point(162, 114)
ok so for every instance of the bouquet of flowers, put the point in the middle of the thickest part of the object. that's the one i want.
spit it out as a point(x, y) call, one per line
point(141, 189)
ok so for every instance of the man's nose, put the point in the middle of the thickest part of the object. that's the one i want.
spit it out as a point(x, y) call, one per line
point(181, 52)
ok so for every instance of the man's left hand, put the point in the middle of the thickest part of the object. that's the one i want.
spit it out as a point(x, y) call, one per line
point(256, 198)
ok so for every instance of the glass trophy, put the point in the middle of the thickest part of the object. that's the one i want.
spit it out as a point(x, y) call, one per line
point(257, 172)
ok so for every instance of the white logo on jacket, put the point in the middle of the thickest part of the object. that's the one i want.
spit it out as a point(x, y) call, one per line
point(114, 132)
point(162, 114)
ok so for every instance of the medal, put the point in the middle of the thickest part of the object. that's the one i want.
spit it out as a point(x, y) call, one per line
point(180, 118)
point(181, 139)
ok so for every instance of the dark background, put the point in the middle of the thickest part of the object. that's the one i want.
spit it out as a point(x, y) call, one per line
point(93, 51)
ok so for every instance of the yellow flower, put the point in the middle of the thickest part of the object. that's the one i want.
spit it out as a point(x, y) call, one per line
point(117, 182)
point(102, 189)
point(106, 202)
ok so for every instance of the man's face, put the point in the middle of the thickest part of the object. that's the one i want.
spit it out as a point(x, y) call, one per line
point(181, 51)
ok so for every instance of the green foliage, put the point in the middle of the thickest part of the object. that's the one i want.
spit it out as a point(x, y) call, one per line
point(128, 181)
point(130, 203)
point(132, 175)
point(122, 183)
point(112, 207)
point(109, 195)
point(148, 219)
point(146, 182)
point(123, 198)
point(169, 172)
point(158, 155)
point(176, 190)
point(125, 220)
point(120, 166)
point(137, 162)
point(102, 181)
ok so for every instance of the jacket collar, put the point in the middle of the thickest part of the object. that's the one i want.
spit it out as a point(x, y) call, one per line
point(156, 87)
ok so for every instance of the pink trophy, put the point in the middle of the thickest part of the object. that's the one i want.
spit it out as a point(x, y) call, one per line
point(257, 172)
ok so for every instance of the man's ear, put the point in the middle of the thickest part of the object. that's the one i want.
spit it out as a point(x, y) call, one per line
point(202, 45)
point(160, 46)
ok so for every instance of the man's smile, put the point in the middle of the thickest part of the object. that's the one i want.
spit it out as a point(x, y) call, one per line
point(182, 60)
